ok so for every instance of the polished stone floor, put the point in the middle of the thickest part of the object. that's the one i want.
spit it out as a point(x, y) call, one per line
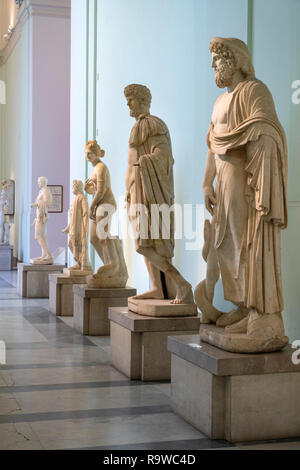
point(58, 390)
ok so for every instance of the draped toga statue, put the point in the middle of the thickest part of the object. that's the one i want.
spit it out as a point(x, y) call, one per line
point(247, 159)
point(150, 187)
point(78, 231)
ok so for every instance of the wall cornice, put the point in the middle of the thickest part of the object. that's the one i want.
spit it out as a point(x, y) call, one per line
point(32, 8)
point(56, 8)
point(6, 52)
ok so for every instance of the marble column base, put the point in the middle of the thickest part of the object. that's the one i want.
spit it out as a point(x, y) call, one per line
point(91, 307)
point(6, 257)
point(138, 344)
point(33, 279)
point(61, 297)
point(237, 397)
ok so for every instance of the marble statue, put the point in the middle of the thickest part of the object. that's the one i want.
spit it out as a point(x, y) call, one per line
point(4, 225)
point(150, 184)
point(113, 273)
point(42, 202)
point(78, 231)
point(247, 160)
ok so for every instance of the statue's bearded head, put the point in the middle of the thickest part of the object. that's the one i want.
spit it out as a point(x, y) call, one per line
point(138, 99)
point(230, 56)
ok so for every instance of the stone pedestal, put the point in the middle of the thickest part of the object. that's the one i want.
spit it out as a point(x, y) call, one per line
point(138, 345)
point(6, 257)
point(237, 397)
point(61, 297)
point(33, 279)
point(91, 306)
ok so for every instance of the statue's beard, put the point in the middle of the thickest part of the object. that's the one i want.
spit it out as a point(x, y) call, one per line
point(224, 75)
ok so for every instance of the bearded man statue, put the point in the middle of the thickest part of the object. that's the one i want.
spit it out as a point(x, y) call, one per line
point(247, 160)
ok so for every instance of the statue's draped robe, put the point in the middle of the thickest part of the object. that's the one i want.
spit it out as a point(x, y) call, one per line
point(248, 244)
point(79, 216)
point(152, 184)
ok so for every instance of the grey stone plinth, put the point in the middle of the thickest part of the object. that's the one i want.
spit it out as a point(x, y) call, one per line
point(237, 397)
point(139, 344)
point(61, 297)
point(6, 257)
point(33, 279)
point(91, 306)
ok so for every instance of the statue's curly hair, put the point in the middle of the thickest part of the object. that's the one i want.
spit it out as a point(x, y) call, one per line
point(141, 92)
point(94, 147)
point(240, 58)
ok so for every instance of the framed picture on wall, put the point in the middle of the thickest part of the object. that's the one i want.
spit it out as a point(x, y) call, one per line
point(10, 208)
point(57, 192)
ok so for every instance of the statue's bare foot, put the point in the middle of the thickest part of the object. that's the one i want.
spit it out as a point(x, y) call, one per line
point(151, 294)
point(75, 267)
point(107, 270)
point(240, 327)
point(232, 317)
point(184, 295)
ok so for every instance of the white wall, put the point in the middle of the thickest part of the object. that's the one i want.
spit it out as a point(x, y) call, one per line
point(276, 45)
point(164, 45)
point(15, 155)
point(35, 127)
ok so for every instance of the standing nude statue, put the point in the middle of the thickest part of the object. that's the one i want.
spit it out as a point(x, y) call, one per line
point(113, 273)
point(149, 183)
point(42, 202)
point(78, 231)
point(4, 225)
point(247, 159)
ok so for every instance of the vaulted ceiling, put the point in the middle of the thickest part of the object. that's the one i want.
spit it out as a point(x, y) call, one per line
point(8, 11)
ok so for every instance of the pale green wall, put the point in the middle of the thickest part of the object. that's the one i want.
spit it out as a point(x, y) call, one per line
point(164, 44)
point(15, 152)
point(276, 46)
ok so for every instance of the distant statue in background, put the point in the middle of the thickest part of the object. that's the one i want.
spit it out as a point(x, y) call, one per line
point(4, 225)
point(113, 273)
point(42, 202)
point(78, 231)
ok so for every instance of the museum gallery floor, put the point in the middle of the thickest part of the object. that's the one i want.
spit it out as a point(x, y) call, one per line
point(58, 390)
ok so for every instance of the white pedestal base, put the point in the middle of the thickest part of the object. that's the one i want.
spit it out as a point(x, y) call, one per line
point(237, 397)
point(138, 345)
point(6, 257)
point(91, 306)
point(33, 279)
point(61, 297)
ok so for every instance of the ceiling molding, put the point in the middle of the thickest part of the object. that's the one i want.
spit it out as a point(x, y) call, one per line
point(32, 8)
point(15, 36)
point(54, 8)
